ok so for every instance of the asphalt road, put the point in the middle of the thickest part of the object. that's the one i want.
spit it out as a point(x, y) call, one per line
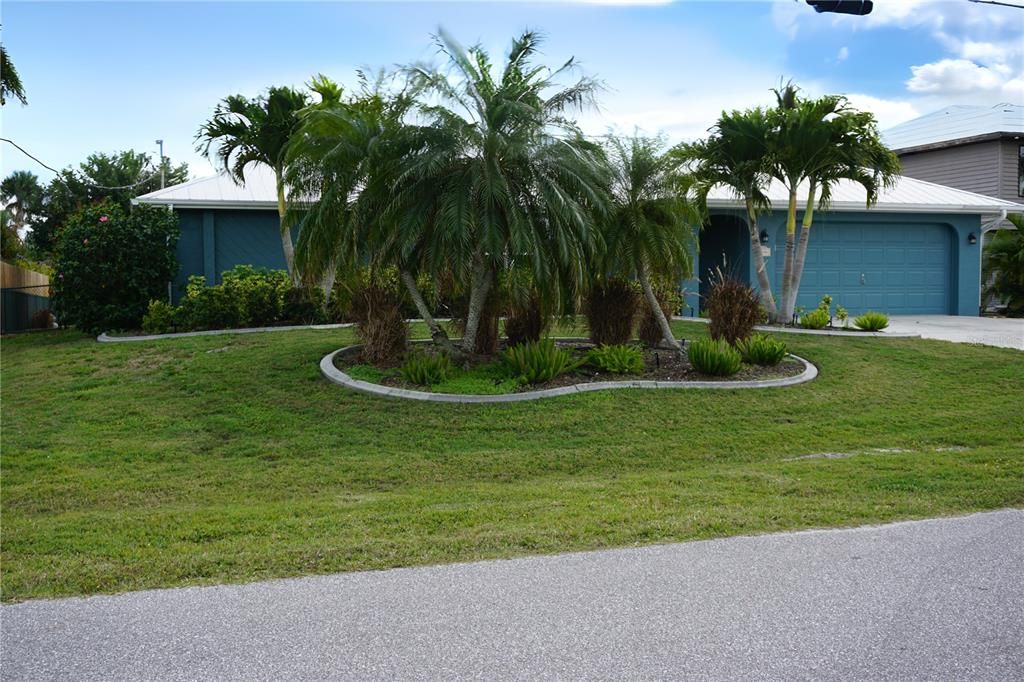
point(930, 600)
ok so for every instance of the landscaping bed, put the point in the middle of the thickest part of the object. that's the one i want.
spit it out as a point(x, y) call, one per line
point(486, 376)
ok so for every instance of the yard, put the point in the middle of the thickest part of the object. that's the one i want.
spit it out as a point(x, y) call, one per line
point(228, 458)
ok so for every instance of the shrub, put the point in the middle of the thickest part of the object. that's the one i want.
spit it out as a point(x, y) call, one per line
point(816, 319)
point(648, 330)
point(41, 319)
point(621, 359)
point(537, 362)
point(525, 322)
point(761, 350)
point(872, 321)
point(1002, 268)
point(734, 309)
point(261, 291)
point(110, 264)
point(426, 370)
point(380, 324)
point(611, 310)
point(206, 307)
point(714, 357)
point(304, 305)
point(160, 318)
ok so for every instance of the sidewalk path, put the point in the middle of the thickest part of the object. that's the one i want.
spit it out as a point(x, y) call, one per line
point(939, 600)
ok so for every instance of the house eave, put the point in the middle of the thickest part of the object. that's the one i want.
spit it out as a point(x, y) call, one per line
point(849, 207)
point(207, 204)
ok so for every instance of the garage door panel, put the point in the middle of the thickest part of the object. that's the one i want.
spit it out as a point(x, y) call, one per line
point(896, 268)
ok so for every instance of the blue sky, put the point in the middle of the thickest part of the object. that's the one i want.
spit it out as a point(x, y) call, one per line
point(117, 75)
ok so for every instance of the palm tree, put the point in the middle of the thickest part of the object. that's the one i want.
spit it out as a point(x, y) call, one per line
point(1002, 266)
point(499, 174)
point(10, 82)
point(244, 131)
point(22, 195)
point(650, 225)
point(820, 142)
point(735, 155)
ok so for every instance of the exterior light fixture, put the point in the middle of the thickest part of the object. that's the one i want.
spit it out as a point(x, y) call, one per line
point(763, 236)
point(972, 238)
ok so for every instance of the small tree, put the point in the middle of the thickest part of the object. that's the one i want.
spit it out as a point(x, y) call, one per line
point(111, 263)
point(1002, 267)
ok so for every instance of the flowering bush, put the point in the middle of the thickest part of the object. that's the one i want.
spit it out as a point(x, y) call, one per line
point(109, 264)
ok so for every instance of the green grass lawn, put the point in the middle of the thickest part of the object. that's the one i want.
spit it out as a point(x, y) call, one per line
point(217, 459)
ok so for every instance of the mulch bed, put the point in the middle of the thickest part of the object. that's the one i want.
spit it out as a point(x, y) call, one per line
point(661, 365)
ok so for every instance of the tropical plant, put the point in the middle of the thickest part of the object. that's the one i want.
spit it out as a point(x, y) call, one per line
point(210, 307)
point(843, 315)
point(733, 307)
point(736, 155)
point(649, 228)
point(10, 82)
point(262, 292)
point(760, 349)
point(426, 370)
point(10, 243)
point(498, 175)
point(537, 362)
point(716, 358)
point(1002, 266)
point(815, 319)
point(244, 131)
point(22, 197)
point(110, 264)
point(611, 310)
point(618, 359)
point(821, 142)
point(872, 321)
point(161, 318)
point(304, 305)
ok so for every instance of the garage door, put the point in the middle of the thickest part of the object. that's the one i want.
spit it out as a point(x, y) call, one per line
point(897, 269)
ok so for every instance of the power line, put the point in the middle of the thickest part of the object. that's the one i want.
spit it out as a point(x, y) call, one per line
point(84, 181)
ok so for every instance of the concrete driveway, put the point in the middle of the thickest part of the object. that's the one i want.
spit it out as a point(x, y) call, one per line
point(931, 600)
point(987, 330)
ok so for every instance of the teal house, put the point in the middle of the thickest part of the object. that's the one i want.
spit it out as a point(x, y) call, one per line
point(916, 251)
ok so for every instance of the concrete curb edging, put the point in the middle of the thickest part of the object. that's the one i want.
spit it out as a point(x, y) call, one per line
point(335, 375)
point(814, 332)
point(106, 338)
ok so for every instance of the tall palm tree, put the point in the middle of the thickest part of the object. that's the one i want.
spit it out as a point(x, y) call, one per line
point(10, 82)
point(1002, 267)
point(819, 142)
point(243, 131)
point(735, 155)
point(650, 225)
point(498, 174)
point(22, 195)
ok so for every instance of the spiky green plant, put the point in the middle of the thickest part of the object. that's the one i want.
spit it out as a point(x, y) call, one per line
point(761, 349)
point(617, 359)
point(537, 362)
point(716, 358)
point(427, 370)
point(872, 321)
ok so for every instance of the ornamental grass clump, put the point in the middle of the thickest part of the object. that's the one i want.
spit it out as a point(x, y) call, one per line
point(714, 357)
point(617, 359)
point(611, 310)
point(761, 350)
point(872, 321)
point(733, 307)
point(427, 370)
point(537, 362)
point(648, 330)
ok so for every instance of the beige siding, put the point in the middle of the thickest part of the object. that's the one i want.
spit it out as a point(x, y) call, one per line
point(971, 167)
point(1008, 188)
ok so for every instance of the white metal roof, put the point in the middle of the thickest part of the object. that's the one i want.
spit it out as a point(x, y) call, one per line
point(909, 195)
point(955, 123)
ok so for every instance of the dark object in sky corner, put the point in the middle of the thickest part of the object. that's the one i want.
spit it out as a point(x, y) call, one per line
point(858, 7)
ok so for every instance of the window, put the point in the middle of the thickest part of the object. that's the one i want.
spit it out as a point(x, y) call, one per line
point(1020, 171)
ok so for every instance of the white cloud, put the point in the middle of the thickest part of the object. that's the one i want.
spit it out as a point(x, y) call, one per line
point(844, 53)
point(956, 76)
point(888, 112)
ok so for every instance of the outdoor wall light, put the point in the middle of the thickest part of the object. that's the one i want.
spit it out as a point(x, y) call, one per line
point(972, 238)
point(764, 236)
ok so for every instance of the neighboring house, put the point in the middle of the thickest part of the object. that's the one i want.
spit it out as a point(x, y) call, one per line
point(974, 148)
point(916, 251)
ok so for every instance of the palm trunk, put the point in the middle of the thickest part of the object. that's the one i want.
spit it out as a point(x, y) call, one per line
point(763, 282)
point(286, 233)
point(659, 314)
point(801, 252)
point(787, 268)
point(437, 334)
point(328, 281)
point(480, 287)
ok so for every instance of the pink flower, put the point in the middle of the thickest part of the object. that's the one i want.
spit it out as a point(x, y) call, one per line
point(104, 218)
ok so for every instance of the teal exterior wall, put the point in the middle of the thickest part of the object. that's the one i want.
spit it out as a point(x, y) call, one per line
point(215, 240)
point(909, 262)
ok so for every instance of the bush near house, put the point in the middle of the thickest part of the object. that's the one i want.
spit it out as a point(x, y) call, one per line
point(611, 310)
point(733, 307)
point(110, 263)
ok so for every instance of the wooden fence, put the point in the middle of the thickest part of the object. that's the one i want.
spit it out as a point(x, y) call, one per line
point(23, 294)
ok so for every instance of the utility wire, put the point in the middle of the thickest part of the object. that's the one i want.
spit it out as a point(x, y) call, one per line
point(84, 182)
